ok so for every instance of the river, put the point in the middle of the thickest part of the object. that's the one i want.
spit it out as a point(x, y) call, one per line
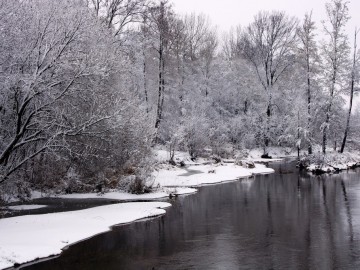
point(286, 220)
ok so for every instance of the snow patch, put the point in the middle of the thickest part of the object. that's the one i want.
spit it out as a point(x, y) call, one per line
point(331, 162)
point(193, 176)
point(26, 238)
point(123, 196)
point(115, 195)
point(24, 207)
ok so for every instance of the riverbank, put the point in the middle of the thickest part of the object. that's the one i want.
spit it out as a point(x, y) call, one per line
point(331, 162)
point(168, 181)
point(199, 175)
point(27, 238)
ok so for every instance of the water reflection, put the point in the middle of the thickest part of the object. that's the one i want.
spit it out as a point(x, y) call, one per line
point(288, 220)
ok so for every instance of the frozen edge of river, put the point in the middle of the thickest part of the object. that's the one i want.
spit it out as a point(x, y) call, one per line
point(199, 175)
point(27, 238)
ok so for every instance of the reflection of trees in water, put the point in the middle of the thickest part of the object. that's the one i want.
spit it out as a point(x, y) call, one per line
point(347, 203)
point(329, 222)
point(348, 210)
point(314, 206)
point(278, 221)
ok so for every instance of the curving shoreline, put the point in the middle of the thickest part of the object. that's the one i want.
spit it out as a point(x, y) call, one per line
point(25, 239)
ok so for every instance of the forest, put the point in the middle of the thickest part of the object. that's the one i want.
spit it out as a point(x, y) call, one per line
point(89, 88)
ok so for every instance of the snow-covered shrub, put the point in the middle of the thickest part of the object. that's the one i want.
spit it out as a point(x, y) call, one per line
point(245, 163)
point(18, 190)
point(196, 135)
point(242, 154)
point(81, 108)
point(139, 184)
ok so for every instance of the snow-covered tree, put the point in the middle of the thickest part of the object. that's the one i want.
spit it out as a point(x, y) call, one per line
point(334, 56)
point(354, 79)
point(268, 44)
point(309, 59)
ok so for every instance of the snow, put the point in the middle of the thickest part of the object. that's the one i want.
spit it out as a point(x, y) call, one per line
point(123, 196)
point(315, 168)
point(181, 191)
point(33, 195)
point(202, 173)
point(24, 207)
point(163, 156)
point(264, 160)
point(26, 238)
point(331, 162)
point(115, 195)
point(277, 153)
point(193, 176)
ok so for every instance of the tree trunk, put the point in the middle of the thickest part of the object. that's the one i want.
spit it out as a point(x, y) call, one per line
point(268, 121)
point(347, 127)
point(160, 93)
point(329, 108)
point(348, 118)
point(309, 107)
point(324, 141)
point(298, 137)
point(268, 118)
point(145, 86)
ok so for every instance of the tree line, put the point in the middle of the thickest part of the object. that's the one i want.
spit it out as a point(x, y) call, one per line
point(89, 87)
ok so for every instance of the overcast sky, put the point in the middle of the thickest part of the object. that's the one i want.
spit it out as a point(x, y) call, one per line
point(228, 13)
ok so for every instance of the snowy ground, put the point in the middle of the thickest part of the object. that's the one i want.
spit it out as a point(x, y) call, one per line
point(194, 176)
point(34, 195)
point(331, 162)
point(170, 180)
point(123, 196)
point(24, 207)
point(26, 238)
point(163, 156)
point(277, 153)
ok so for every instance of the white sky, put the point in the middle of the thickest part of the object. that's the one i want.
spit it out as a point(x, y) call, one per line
point(228, 13)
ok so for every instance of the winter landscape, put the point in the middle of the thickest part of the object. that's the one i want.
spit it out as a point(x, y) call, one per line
point(140, 134)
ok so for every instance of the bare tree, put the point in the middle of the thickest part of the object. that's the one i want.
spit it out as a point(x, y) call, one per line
point(46, 65)
point(200, 44)
point(353, 79)
point(117, 14)
point(309, 59)
point(268, 45)
point(335, 56)
point(161, 18)
point(207, 55)
point(197, 28)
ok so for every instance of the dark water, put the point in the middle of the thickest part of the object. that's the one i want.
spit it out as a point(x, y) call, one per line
point(55, 205)
point(287, 220)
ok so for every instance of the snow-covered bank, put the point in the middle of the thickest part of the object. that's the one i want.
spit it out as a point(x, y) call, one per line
point(119, 195)
point(193, 176)
point(124, 196)
point(24, 207)
point(172, 180)
point(276, 153)
point(331, 162)
point(26, 238)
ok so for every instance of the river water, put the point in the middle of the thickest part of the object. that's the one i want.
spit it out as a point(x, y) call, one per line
point(286, 220)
